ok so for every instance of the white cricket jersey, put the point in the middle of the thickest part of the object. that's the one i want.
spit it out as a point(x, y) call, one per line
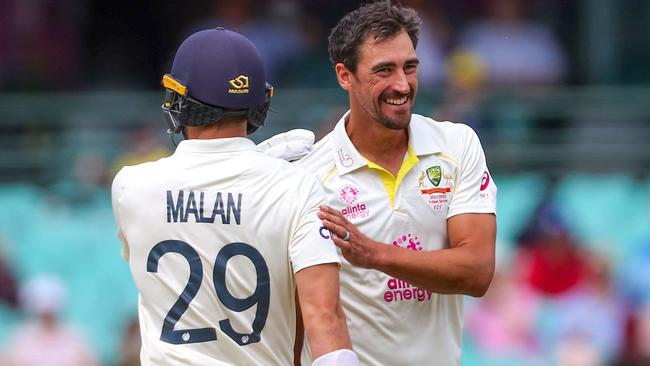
point(214, 235)
point(444, 173)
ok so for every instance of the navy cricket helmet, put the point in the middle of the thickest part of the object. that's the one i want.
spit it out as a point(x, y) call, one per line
point(216, 73)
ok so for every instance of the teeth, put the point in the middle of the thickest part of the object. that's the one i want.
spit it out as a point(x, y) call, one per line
point(399, 101)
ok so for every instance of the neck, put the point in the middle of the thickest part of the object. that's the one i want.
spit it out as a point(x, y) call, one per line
point(224, 128)
point(377, 143)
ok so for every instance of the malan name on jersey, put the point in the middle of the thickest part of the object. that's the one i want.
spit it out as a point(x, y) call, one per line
point(182, 206)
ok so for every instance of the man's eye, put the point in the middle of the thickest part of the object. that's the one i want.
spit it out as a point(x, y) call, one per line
point(410, 68)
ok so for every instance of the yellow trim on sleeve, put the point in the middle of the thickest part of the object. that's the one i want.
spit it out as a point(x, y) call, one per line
point(390, 182)
point(446, 157)
point(328, 175)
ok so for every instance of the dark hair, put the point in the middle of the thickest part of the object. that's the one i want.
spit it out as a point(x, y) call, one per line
point(379, 20)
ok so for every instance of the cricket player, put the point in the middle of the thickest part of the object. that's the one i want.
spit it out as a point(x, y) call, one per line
point(219, 236)
point(411, 201)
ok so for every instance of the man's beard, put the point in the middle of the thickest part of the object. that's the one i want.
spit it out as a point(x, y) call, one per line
point(392, 123)
point(399, 123)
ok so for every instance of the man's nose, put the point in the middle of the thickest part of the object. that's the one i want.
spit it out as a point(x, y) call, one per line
point(401, 83)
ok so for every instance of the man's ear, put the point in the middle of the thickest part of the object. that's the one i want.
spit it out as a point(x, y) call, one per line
point(344, 76)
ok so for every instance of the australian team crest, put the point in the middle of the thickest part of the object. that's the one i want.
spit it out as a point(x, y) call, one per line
point(434, 174)
point(435, 186)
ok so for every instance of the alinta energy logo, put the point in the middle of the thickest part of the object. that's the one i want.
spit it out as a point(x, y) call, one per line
point(349, 195)
point(399, 290)
point(408, 241)
point(239, 85)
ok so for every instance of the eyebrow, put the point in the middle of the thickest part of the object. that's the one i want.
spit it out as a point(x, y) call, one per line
point(412, 61)
point(381, 65)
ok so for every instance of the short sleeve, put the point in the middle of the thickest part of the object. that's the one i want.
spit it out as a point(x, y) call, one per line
point(475, 190)
point(310, 242)
point(117, 190)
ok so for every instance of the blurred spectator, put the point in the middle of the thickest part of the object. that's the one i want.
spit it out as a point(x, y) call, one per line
point(576, 350)
point(514, 49)
point(590, 318)
point(549, 257)
point(130, 345)
point(8, 290)
point(142, 145)
point(503, 322)
point(44, 339)
point(433, 40)
point(637, 350)
point(87, 185)
point(463, 94)
point(634, 279)
point(634, 274)
point(277, 33)
point(41, 51)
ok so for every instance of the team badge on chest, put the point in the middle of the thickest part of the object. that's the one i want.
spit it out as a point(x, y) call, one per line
point(434, 174)
point(435, 185)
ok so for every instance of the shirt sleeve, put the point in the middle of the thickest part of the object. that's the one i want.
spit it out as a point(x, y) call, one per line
point(310, 242)
point(475, 190)
point(117, 190)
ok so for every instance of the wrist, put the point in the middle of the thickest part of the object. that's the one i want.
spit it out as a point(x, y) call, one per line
point(382, 255)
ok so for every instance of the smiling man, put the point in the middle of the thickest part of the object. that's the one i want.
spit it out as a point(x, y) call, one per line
point(411, 201)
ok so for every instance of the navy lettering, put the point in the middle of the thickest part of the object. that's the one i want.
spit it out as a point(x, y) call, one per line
point(181, 209)
point(208, 220)
point(218, 209)
point(236, 210)
point(174, 211)
point(191, 208)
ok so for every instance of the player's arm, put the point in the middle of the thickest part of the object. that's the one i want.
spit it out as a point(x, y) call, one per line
point(466, 267)
point(300, 334)
point(323, 317)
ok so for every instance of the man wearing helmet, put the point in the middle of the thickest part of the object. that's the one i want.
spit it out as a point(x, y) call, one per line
point(219, 236)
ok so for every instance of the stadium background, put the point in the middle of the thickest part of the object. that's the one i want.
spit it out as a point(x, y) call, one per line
point(557, 90)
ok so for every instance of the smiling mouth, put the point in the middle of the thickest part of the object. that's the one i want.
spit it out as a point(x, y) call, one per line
point(396, 101)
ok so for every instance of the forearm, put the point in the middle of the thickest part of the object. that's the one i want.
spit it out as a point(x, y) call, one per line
point(455, 270)
point(323, 317)
point(466, 267)
point(326, 330)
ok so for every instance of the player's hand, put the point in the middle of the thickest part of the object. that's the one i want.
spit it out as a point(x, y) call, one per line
point(358, 249)
point(290, 146)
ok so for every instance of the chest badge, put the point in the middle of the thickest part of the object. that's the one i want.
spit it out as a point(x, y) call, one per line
point(435, 185)
point(434, 174)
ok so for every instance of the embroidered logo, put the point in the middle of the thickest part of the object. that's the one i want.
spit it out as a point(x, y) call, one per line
point(346, 159)
point(434, 174)
point(435, 184)
point(349, 195)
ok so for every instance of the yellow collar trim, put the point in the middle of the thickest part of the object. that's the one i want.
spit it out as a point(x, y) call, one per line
point(390, 182)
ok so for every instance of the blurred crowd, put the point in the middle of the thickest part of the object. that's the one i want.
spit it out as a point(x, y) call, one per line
point(71, 45)
point(557, 301)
